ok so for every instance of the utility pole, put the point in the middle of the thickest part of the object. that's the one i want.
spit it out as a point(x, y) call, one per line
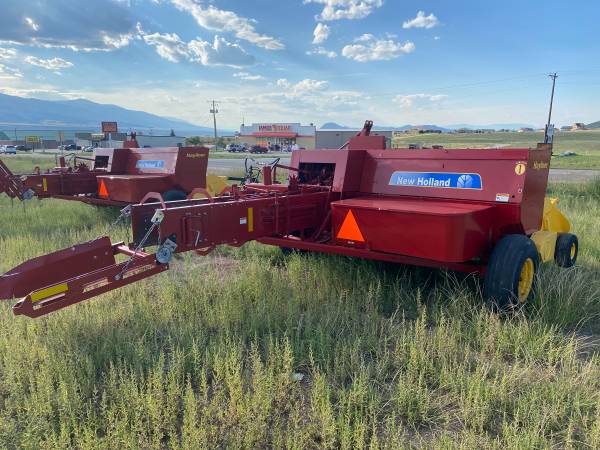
point(554, 76)
point(214, 112)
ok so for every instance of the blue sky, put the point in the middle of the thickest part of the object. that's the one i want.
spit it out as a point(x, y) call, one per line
point(396, 62)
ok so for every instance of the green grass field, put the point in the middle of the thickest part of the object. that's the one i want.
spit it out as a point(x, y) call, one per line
point(585, 143)
point(204, 356)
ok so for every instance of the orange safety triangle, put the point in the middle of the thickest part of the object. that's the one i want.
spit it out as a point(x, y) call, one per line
point(102, 191)
point(349, 229)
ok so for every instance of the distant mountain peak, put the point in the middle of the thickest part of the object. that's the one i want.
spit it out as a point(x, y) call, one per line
point(83, 113)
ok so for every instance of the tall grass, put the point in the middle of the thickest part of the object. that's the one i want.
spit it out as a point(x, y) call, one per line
point(208, 354)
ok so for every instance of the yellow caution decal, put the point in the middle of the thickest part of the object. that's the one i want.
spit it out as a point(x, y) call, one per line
point(44, 184)
point(49, 292)
point(250, 220)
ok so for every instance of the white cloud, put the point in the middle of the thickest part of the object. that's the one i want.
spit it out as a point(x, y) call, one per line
point(169, 46)
point(9, 73)
point(422, 21)
point(214, 19)
point(371, 49)
point(31, 23)
point(80, 26)
point(248, 76)
point(323, 52)
point(49, 64)
point(305, 86)
point(218, 53)
point(321, 33)
point(7, 53)
point(346, 9)
point(436, 38)
point(419, 100)
point(364, 38)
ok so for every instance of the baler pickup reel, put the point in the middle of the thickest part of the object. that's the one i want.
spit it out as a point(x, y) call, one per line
point(12, 185)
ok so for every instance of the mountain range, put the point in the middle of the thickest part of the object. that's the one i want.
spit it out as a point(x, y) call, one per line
point(35, 114)
point(446, 128)
point(31, 113)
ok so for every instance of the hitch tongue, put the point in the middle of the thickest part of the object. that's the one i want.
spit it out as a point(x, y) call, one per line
point(66, 277)
point(50, 269)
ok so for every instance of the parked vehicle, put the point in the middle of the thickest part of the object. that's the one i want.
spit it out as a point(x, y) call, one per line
point(23, 148)
point(258, 149)
point(235, 148)
point(88, 149)
point(71, 147)
point(274, 147)
point(8, 150)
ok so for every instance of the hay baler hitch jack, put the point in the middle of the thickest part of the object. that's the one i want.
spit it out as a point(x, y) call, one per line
point(479, 211)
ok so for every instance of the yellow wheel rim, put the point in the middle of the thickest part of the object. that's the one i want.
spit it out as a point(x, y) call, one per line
point(573, 250)
point(526, 279)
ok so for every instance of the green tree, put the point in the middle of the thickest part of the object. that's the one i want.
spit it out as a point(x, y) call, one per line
point(194, 140)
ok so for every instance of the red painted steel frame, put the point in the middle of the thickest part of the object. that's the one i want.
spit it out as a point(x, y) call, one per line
point(417, 223)
point(124, 177)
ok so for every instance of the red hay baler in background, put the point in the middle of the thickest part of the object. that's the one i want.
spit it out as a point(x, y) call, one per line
point(117, 177)
point(478, 211)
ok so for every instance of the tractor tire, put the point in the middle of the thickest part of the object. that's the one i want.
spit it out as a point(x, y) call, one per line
point(510, 279)
point(173, 194)
point(566, 250)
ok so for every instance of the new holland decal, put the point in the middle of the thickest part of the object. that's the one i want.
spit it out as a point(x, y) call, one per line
point(437, 180)
point(150, 164)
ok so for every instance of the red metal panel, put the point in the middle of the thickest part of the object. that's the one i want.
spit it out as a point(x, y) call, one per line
point(132, 188)
point(431, 229)
point(495, 167)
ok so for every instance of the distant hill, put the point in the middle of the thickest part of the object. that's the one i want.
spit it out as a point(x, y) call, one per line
point(594, 125)
point(492, 126)
point(336, 126)
point(19, 112)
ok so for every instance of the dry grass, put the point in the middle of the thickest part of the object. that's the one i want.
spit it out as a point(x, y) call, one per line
point(393, 357)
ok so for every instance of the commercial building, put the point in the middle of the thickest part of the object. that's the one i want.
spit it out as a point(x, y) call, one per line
point(283, 134)
point(335, 138)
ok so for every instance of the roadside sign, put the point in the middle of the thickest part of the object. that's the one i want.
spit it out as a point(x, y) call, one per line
point(32, 139)
point(98, 136)
point(110, 127)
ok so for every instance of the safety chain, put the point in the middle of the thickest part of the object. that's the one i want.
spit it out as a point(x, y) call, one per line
point(125, 212)
point(156, 221)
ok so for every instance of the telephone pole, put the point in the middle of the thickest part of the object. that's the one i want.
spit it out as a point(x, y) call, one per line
point(214, 111)
point(554, 76)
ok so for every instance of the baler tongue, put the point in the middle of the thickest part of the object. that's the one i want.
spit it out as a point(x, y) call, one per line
point(74, 274)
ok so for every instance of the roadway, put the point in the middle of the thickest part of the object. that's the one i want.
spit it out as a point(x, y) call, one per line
point(228, 165)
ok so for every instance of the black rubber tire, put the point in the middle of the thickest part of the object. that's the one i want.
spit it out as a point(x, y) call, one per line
point(562, 251)
point(173, 194)
point(501, 282)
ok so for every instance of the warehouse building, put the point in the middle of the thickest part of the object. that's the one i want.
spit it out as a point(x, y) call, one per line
point(335, 138)
point(282, 134)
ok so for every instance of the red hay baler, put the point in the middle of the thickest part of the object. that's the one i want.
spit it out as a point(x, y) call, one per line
point(117, 177)
point(478, 211)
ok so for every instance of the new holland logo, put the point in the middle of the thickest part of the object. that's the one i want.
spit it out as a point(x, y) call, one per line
point(437, 180)
point(150, 164)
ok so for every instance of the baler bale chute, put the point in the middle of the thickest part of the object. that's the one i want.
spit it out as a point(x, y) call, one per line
point(117, 176)
point(480, 211)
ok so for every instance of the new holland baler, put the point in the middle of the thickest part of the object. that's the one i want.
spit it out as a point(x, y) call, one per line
point(479, 211)
point(117, 176)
